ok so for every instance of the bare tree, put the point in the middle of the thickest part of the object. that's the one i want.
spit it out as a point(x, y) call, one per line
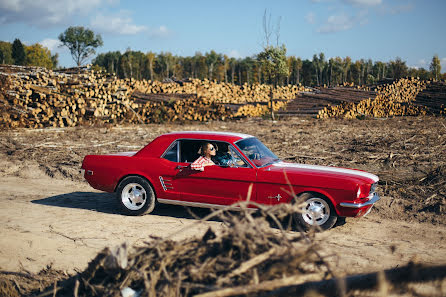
point(272, 58)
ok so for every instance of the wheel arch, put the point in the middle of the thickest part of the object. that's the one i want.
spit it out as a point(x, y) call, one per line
point(136, 175)
point(321, 194)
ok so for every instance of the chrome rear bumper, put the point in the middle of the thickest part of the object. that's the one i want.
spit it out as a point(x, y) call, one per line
point(372, 201)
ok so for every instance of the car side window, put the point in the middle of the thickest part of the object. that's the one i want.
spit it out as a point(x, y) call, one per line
point(172, 153)
point(189, 150)
point(238, 161)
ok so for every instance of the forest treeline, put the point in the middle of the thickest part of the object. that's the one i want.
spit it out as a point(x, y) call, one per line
point(215, 66)
point(17, 53)
point(220, 67)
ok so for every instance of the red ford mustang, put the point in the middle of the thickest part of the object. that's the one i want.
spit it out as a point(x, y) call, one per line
point(161, 172)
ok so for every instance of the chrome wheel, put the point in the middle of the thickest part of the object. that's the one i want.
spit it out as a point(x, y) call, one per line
point(316, 211)
point(133, 196)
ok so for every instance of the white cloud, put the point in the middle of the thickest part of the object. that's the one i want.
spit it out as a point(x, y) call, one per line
point(386, 9)
point(51, 44)
point(310, 18)
point(337, 23)
point(419, 64)
point(364, 2)
point(234, 54)
point(116, 24)
point(422, 63)
point(322, 1)
point(43, 12)
point(160, 32)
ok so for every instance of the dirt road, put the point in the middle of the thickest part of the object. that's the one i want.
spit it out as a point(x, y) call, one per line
point(48, 215)
point(64, 223)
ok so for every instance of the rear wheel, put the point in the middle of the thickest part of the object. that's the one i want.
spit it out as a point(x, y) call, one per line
point(135, 196)
point(317, 211)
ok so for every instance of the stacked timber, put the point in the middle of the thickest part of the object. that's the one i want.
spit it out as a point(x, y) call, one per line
point(395, 99)
point(259, 109)
point(36, 97)
point(433, 98)
point(311, 103)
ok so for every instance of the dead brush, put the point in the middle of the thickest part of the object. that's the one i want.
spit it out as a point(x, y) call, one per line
point(246, 252)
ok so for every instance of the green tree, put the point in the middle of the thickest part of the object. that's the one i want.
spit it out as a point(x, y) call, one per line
point(109, 61)
point(379, 70)
point(356, 72)
point(307, 72)
point(246, 66)
point(81, 42)
point(6, 53)
point(420, 73)
point(347, 62)
point(212, 58)
point(298, 68)
point(273, 59)
point(55, 60)
point(150, 61)
point(166, 61)
point(398, 68)
point(37, 55)
point(290, 62)
point(233, 65)
point(435, 67)
point(18, 52)
point(225, 67)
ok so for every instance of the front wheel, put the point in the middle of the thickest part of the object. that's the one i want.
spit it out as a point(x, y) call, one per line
point(317, 211)
point(135, 196)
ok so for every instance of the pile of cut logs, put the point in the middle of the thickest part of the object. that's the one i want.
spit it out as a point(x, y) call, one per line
point(394, 99)
point(36, 97)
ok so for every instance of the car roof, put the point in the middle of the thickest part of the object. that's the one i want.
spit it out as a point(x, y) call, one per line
point(211, 135)
point(158, 146)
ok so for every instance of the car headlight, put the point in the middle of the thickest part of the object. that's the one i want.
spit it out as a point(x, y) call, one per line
point(364, 191)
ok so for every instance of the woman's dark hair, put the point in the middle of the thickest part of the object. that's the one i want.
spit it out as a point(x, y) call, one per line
point(204, 146)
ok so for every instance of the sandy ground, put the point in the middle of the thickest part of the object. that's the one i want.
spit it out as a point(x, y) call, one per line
point(65, 224)
point(49, 216)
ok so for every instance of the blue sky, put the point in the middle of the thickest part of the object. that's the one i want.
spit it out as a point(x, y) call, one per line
point(376, 29)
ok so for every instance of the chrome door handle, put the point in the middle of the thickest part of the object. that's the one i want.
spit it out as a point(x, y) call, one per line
point(180, 167)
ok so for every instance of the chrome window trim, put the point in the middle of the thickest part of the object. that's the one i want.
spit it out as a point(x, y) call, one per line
point(208, 140)
point(168, 149)
point(178, 151)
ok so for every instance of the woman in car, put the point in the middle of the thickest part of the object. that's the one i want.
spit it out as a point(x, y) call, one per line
point(207, 151)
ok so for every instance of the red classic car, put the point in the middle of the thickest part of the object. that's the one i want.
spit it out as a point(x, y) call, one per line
point(161, 172)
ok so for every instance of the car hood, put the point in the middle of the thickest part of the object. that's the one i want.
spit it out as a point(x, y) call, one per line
point(327, 171)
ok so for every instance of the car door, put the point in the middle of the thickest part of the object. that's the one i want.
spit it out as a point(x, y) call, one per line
point(218, 185)
point(168, 168)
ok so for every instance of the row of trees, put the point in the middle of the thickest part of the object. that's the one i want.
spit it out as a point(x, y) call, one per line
point(34, 55)
point(272, 65)
point(220, 67)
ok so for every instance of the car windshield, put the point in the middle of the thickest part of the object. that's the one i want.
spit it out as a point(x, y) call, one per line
point(257, 152)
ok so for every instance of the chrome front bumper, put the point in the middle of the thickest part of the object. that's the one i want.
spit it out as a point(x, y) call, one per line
point(372, 201)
